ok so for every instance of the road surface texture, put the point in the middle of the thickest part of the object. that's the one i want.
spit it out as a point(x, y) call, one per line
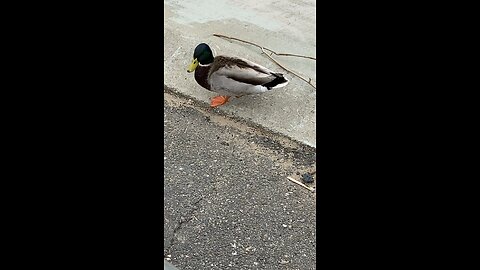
point(227, 201)
point(284, 26)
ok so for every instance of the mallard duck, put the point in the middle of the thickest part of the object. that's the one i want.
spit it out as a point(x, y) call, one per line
point(231, 76)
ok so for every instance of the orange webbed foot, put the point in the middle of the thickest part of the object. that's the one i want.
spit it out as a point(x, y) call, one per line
point(218, 101)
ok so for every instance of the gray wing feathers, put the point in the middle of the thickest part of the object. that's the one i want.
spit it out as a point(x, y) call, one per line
point(243, 75)
point(239, 76)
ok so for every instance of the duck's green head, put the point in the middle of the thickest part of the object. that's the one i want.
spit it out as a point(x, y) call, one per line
point(202, 55)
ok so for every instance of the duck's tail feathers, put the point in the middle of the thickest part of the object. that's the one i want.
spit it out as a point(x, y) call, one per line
point(279, 81)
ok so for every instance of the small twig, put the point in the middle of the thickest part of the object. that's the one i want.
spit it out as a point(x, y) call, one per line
point(296, 55)
point(270, 50)
point(276, 62)
point(271, 58)
point(301, 184)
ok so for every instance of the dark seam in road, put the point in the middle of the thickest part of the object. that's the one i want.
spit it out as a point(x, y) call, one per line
point(180, 224)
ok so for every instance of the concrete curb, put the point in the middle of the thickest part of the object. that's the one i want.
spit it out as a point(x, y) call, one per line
point(206, 106)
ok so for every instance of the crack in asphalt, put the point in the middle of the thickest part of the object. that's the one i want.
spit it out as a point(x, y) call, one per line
point(180, 225)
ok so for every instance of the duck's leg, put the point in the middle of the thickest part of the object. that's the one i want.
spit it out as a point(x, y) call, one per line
point(218, 101)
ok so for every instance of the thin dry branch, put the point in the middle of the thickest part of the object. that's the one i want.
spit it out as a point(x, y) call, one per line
point(309, 81)
point(276, 62)
point(270, 50)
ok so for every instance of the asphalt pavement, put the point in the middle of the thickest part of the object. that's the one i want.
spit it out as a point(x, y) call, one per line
point(227, 201)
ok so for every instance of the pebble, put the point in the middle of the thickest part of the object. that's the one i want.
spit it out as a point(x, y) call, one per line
point(307, 178)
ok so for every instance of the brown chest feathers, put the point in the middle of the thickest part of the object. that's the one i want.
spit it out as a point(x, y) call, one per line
point(201, 76)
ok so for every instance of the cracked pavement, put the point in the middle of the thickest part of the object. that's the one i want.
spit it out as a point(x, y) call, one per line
point(227, 201)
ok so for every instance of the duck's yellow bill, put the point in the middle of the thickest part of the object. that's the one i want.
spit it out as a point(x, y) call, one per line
point(193, 65)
